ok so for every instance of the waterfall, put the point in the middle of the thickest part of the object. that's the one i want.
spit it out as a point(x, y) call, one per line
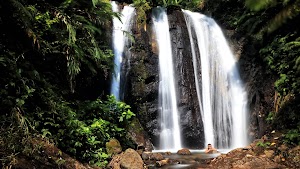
point(120, 27)
point(221, 95)
point(170, 130)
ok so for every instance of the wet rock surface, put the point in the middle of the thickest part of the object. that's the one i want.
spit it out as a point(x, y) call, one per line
point(184, 151)
point(268, 152)
point(129, 159)
point(188, 106)
point(142, 82)
point(258, 81)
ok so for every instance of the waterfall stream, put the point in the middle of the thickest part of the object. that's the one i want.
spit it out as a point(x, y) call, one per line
point(170, 131)
point(220, 91)
point(120, 27)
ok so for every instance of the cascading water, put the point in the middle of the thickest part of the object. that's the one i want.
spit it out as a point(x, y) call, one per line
point(170, 131)
point(220, 91)
point(119, 41)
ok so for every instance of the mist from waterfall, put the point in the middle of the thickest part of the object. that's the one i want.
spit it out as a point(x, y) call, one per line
point(220, 91)
point(168, 110)
point(120, 27)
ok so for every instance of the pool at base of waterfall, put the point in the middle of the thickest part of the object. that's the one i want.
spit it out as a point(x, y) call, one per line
point(197, 159)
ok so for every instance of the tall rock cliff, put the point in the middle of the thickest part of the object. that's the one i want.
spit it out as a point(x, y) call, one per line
point(190, 119)
point(143, 80)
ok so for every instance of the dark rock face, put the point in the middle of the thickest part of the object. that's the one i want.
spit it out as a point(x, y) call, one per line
point(142, 81)
point(142, 84)
point(260, 89)
point(188, 106)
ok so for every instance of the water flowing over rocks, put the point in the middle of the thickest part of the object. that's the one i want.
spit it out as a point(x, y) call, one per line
point(259, 84)
point(190, 119)
point(143, 80)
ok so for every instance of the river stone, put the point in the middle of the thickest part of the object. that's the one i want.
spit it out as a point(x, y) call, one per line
point(157, 156)
point(184, 151)
point(131, 160)
point(152, 156)
point(146, 155)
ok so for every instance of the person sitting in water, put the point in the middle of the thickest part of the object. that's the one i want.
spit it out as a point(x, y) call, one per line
point(210, 149)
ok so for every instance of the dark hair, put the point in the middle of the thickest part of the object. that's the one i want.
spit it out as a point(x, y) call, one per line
point(208, 144)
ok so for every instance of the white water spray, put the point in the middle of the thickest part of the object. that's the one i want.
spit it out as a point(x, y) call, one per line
point(220, 91)
point(169, 120)
point(119, 41)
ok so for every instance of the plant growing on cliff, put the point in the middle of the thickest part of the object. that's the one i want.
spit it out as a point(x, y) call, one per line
point(288, 9)
point(282, 58)
point(142, 8)
point(190, 4)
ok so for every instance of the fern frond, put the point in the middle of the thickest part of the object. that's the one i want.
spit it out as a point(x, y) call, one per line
point(257, 5)
point(288, 12)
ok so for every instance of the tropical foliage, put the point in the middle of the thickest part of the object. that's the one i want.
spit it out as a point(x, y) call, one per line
point(54, 62)
point(282, 56)
point(288, 9)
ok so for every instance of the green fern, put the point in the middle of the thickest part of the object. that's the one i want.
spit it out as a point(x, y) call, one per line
point(289, 10)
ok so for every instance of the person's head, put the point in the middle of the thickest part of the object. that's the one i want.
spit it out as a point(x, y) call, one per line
point(209, 146)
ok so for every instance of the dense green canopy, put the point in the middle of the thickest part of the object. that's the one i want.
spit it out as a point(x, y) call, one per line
point(56, 59)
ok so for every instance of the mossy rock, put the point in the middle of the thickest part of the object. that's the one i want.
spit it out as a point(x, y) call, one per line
point(113, 147)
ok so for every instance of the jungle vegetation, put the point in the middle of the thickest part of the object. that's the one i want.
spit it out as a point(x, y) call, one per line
point(56, 59)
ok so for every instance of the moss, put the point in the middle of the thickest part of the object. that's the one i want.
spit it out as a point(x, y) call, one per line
point(113, 147)
point(139, 77)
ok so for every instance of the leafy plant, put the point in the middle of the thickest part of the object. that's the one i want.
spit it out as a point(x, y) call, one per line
point(191, 4)
point(270, 117)
point(281, 55)
point(292, 136)
point(142, 8)
point(263, 144)
point(48, 48)
point(288, 9)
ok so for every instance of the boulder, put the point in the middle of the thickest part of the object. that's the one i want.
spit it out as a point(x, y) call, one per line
point(184, 151)
point(168, 153)
point(152, 156)
point(113, 147)
point(146, 155)
point(115, 162)
point(131, 160)
point(255, 162)
point(157, 156)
